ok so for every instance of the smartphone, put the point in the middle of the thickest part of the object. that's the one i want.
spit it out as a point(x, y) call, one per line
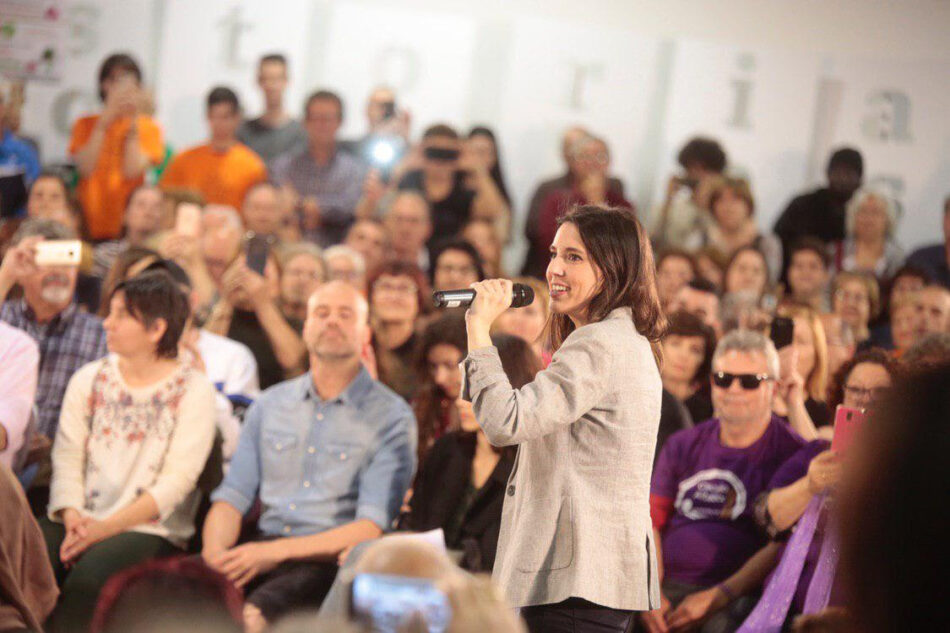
point(188, 219)
point(258, 248)
point(389, 110)
point(847, 423)
point(782, 332)
point(384, 603)
point(58, 253)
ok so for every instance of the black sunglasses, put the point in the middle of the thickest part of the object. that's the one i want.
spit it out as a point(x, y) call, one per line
point(724, 380)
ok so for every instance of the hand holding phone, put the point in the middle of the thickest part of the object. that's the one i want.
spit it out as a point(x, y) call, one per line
point(386, 603)
point(782, 332)
point(58, 253)
point(258, 249)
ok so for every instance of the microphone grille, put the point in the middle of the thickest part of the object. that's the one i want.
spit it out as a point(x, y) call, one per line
point(523, 295)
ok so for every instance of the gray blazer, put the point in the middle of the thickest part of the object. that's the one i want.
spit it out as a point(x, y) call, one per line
point(576, 518)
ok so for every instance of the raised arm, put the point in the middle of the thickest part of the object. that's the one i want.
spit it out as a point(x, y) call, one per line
point(570, 387)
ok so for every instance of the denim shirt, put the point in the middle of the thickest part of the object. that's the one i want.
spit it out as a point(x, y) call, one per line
point(318, 464)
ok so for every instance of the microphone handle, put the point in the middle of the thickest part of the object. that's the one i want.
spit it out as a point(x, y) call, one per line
point(454, 298)
point(522, 295)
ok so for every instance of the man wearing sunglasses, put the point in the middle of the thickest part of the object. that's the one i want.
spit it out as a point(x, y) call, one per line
point(704, 488)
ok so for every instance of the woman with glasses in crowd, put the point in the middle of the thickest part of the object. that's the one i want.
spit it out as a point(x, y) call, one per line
point(870, 244)
point(855, 298)
point(457, 264)
point(398, 297)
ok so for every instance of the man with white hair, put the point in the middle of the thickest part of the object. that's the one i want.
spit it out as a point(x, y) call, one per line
point(68, 338)
point(704, 488)
point(330, 455)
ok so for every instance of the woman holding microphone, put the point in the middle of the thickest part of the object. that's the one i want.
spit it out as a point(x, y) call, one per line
point(576, 548)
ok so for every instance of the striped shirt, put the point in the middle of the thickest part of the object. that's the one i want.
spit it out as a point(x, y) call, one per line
point(69, 341)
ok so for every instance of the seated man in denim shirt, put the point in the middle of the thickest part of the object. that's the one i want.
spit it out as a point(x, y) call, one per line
point(330, 455)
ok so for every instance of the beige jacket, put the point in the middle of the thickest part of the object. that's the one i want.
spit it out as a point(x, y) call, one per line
point(576, 519)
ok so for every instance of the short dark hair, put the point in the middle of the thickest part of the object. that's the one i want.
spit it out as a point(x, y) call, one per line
point(911, 270)
point(847, 157)
point(873, 356)
point(456, 244)
point(272, 58)
point(223, 94)
point(705, 152)
point(701, 284)
point(812, 244)
point(687, 324)
point(155, 295)
point(323, 95)
point(118, 61)
point(440, 130)
point(174, 271)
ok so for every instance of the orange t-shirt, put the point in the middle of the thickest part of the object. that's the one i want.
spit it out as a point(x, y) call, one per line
point(222, 178)
point(104, 192)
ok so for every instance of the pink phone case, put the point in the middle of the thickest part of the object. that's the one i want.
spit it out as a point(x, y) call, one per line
point(847, 423)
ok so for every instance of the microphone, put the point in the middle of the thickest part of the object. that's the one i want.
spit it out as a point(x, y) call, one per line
point(521, 296)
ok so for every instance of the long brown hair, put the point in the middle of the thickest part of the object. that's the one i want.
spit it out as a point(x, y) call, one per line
point(619, 247)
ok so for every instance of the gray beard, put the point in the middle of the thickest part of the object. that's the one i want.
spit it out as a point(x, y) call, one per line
point(56, 295)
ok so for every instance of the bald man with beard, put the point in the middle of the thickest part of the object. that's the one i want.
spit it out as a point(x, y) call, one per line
point(330, 455)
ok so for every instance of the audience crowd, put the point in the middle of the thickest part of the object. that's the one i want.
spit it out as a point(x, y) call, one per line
point(216, 416)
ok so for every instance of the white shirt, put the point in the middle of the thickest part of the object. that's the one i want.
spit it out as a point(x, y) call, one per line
point(231, 368)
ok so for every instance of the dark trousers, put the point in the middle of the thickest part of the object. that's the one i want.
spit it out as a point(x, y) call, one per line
point(575, 615)
point(290, 587)
point(80, 584)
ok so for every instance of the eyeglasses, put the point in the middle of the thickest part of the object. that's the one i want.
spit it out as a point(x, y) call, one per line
point(723, 380)
point(407, 288)
point(862, 393)
point(449, 269)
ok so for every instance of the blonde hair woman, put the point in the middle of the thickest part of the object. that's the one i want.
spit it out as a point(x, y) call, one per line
point(804, 372)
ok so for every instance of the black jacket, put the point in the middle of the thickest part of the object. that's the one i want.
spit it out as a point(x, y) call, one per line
point(440, 487)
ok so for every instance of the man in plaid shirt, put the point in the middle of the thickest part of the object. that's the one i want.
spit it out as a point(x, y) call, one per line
point(67, 337)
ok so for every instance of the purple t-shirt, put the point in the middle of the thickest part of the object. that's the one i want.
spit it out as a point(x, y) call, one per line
point(712, 531)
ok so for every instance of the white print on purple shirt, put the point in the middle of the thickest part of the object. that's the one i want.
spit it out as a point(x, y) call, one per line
point(711, 494)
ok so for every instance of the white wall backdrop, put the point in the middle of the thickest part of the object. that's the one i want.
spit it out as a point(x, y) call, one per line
point(780, 83)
